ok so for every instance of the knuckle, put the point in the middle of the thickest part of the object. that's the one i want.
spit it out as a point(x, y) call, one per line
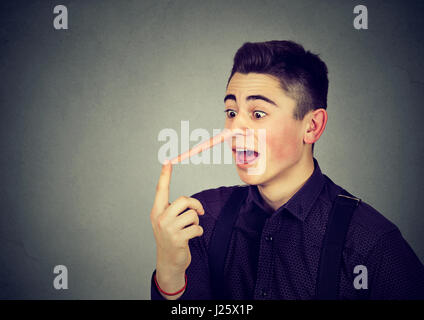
point(160, 222)
point(196, 219)
point(192, 214)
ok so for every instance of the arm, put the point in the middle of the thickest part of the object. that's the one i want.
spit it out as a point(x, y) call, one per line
point(399, 274)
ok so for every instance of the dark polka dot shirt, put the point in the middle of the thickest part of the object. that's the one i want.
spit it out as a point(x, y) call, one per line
point(275, 255)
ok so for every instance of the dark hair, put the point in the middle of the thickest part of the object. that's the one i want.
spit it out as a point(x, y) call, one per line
point(302, 74)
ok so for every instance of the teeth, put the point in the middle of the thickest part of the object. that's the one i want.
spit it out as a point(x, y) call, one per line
point(239, 149)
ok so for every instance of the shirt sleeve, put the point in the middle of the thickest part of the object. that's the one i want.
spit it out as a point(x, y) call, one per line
point(399, 274)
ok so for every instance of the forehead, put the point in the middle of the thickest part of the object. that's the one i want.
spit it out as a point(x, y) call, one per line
point(254, 83)
point(244, 85)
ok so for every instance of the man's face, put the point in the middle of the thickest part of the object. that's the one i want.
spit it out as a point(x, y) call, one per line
point(256, 101)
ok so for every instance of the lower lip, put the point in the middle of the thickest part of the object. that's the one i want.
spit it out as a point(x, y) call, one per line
point(245, 164)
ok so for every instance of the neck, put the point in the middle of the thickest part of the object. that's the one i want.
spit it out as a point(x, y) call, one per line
point(278, 191)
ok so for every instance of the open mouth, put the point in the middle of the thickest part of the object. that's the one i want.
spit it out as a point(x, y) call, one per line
point(245, 156)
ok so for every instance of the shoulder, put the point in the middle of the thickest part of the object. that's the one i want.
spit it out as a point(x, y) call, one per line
point(376, 242)
point(368, 219)
point(367, 227)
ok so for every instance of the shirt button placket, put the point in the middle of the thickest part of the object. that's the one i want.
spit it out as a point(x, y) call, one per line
point(269, 238)
point(265, 263)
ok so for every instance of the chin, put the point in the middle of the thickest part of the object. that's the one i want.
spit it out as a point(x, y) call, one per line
point(250, 178)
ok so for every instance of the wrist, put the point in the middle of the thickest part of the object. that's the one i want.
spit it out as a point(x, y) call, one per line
point(170, 281)
point(168, 290)
point(169, 273)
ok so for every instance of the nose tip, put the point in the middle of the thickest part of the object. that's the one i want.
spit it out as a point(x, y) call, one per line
point(243, 137)
point(243, 132)
point(237, 132)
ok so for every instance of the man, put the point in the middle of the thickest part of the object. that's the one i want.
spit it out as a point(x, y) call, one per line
point(275, 250)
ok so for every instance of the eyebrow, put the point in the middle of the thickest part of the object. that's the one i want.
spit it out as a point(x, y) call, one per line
point(253, 97)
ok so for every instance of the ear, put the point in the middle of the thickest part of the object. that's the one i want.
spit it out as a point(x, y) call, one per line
point(315, 125)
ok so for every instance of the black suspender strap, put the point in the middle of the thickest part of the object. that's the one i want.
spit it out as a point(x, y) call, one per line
point(332, 247)
point(220, 241)
point(331, 253)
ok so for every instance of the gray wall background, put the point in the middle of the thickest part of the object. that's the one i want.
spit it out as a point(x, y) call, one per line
point(81, 110)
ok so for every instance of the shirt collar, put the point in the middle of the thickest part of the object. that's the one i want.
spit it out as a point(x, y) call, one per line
point(301, 202)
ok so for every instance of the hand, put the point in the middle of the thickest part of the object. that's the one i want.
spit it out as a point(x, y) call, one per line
point(173, 227)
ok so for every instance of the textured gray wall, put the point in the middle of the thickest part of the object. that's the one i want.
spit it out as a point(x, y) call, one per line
point(81, 110)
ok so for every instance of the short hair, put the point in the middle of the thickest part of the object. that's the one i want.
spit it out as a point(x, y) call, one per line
point(302, 74)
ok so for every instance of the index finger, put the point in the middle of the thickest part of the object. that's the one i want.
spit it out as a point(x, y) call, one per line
point(161, 201)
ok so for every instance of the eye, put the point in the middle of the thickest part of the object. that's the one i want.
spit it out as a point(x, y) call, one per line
point(259, 114)
point(230, 113)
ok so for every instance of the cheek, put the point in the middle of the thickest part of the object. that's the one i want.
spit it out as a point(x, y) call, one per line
point(284, 142)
